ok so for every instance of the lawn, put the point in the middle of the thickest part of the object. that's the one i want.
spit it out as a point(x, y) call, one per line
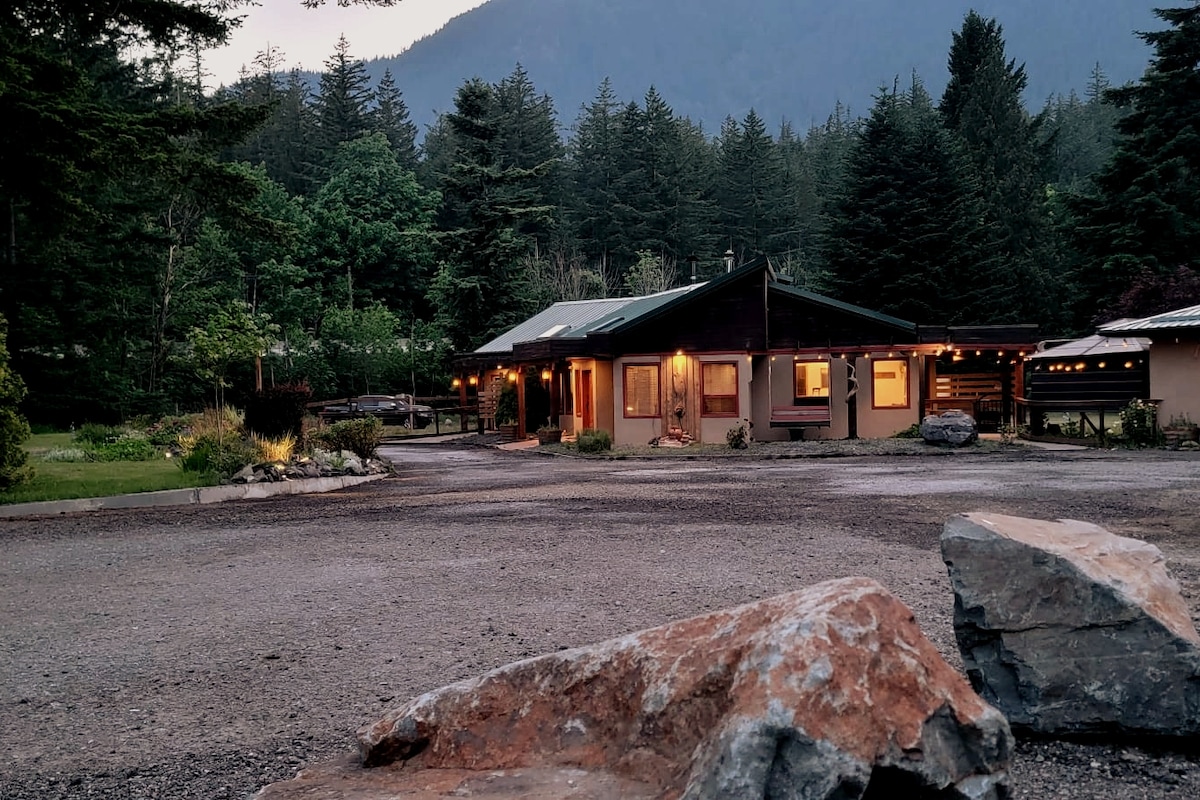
point(58, 480)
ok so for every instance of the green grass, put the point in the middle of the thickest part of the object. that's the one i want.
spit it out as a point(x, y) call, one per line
point(64, 481)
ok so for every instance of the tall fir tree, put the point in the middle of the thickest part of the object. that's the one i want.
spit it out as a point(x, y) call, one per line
point(982, 106)
point(343, 100)
point(906, 236)
point(390, 117)
point(1144, 217)
point(593, 175)
point(752, 199)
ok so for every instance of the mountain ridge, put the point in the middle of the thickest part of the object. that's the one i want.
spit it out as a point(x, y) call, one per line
point(787, 59)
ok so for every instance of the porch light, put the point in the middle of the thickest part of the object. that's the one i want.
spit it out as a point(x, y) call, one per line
point(1021, 354)
point(978, 352)
point(891, 355)
point(1102, 364)
point(678, 352)
point(999, 354)
point(1128, 365)
point(457, 382)
point(512, 376)
point(545, 374)
point(1079, 367)
point(473, 380)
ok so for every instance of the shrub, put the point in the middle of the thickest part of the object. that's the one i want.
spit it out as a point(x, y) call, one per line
point(279, 449)
point(68, 455)
point(911, 432)
point(360, 436)
point(166, 431)
point(279, 410)
point(593, 440)
point(223, 423)
point(92, 433)
point(127, 448)
point(738, 437)
point(14, 430)
point(209, 454)
point(1139, 423)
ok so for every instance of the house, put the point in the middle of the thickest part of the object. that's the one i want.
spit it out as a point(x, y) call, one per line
point(1174, 359)
point(694, 362)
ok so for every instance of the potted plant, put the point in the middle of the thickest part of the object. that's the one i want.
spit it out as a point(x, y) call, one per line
point(549, 434)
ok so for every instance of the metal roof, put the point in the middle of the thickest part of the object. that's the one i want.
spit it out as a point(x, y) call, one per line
point(1095, 346)
point(572, 319)
point(1171, 320)
point(850, 308)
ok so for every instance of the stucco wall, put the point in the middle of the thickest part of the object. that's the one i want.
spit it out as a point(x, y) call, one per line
point(1175, 378)
point(782, 393)
point(641, 429)
point(879, 423)
point(713, 429)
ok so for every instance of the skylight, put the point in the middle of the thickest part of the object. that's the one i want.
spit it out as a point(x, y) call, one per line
point(554, 331)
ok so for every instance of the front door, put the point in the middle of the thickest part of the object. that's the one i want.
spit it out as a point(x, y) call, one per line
point(585, 399)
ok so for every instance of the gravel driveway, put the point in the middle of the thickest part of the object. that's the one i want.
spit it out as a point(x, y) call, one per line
point(205, 651)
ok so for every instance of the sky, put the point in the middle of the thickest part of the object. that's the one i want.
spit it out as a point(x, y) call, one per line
point(307, 37)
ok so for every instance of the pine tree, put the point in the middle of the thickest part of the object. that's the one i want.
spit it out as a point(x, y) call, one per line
point(390, 117)
point(594, 164)
point(905, 238)
point(982, 106)
point(343, 100)
point(751, 188)
point(1145, 214)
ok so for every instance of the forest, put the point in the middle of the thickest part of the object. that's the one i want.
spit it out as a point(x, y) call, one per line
point(161, 237)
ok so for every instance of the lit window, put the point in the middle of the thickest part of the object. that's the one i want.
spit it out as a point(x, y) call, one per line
point(812, 379)
point(641, 390)
point(889, 380)
point(718, 389)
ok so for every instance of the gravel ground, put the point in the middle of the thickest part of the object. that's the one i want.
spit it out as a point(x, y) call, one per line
point(205, 652)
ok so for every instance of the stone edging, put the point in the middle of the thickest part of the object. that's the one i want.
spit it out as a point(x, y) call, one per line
point(203, 495)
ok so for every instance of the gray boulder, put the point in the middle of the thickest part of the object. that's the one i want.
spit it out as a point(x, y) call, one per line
point(954, 428)
point(1069, 629)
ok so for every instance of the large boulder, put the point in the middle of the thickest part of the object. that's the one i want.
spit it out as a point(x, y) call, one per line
point(1069, 629)
point(812, 695)
point(953, 428)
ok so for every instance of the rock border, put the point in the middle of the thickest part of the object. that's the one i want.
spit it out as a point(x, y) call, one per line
point(202, 495)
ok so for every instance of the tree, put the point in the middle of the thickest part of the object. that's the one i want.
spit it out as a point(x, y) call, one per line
point(905, 238)
point(650, 274)
point(751, 188)
point(390, 117)
point(230, 334)
point(982, 106)
point(343, 99)
point(373, 229)
point(1144, 215)
point(14, 430)
point(481, 287)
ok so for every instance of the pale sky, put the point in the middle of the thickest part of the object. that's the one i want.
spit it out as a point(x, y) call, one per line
point(307, 37)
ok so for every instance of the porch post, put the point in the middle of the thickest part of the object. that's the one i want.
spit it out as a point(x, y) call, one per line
point(555, 396)
point(462, 403)
point(520, 402)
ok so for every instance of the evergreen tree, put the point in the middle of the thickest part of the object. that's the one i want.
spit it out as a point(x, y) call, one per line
point(343, 99)
point(982, 106)
point(751, 188)
point(905, 238)
point(1145, 214)
point(594, 166)
point(481, 287)
point(390, 117)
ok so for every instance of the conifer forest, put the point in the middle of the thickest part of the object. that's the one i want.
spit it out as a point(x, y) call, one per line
point(308, 219)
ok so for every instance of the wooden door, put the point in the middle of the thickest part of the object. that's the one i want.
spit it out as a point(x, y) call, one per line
point(586, 410)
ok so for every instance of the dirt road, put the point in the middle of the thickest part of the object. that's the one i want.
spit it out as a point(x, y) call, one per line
point(204, 652)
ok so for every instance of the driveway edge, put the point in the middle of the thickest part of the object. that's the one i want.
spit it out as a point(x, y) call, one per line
point(203, 495)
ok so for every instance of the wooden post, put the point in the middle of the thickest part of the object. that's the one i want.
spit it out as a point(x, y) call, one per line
point(521, 403)
point(462, 403)
point(258, 373)
point(555, 396)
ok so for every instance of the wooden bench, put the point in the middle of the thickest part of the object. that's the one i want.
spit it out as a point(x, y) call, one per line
point(810, 416)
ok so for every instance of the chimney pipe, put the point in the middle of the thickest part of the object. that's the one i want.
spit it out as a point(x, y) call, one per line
point(729, 260)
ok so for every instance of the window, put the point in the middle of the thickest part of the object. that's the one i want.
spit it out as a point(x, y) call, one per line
point(889, 382)
point(812, 379)
point(641, 390)
point(719, 389)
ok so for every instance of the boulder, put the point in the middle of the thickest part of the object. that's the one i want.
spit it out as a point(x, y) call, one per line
point(954, 428)
point(813, 695)
point(1069, 629)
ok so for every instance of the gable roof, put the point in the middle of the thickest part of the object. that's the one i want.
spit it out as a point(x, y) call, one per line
point(574, 319)
point(846, 308)
point(1179, 319)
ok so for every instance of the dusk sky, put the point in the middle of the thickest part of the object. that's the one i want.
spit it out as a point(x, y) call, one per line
point(307, 37)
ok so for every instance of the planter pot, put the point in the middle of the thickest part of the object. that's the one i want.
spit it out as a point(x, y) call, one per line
point(508, 431)
point(1177, 435)
point(550, 437)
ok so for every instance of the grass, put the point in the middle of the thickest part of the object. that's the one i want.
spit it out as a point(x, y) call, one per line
point(64, 481)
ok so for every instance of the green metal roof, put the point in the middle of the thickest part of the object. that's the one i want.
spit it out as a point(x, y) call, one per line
point(849, 308)
point(1182, 318)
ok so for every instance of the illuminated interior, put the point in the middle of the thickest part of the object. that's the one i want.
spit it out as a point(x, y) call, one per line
point(889, 380)
point(812, 379)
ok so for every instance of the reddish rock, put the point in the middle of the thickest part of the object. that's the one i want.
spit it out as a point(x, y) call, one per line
point(812, 694)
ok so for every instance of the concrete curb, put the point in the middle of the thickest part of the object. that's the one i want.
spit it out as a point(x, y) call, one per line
point(188, 497)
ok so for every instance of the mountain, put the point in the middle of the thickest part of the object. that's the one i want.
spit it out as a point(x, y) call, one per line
point(788, 59)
